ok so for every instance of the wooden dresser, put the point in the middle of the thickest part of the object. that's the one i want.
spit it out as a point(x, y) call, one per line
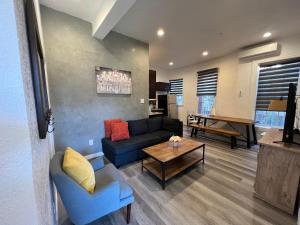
point(278, 171)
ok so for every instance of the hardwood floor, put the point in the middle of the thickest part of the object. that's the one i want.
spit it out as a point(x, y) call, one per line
point(219, 192)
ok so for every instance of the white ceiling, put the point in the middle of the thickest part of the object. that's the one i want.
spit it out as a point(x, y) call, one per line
point(191, 26)
point(84, 9)
point(219, 26)
point(102, 14)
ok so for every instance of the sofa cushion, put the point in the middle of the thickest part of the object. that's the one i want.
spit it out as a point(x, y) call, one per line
point(134, 143)
point(170, 124)
point(111, 171)
point(146, 140)
point(164, 135)
point(119, 131)
point(154, 124)
point(119, 147)
point(138, 127)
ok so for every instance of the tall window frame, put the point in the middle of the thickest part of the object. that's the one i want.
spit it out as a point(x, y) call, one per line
point(207, 82)
point(176, 88)
point(273, 83)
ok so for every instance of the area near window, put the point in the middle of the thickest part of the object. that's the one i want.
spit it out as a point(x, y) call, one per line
point(273, 84)
point(206, 90)
point(176, 88)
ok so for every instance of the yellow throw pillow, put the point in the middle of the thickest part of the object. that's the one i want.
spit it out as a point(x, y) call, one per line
point(79, 168)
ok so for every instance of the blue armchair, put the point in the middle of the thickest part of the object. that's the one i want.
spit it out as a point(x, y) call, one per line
point(111, 192)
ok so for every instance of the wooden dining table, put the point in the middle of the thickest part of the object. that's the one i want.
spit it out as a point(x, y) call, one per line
point(231, 120)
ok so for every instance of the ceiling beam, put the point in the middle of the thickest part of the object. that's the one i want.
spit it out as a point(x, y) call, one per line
point(110, 14)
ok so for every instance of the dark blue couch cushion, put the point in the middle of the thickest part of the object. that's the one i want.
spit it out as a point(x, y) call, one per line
point(155, 124)
point(134, 143)
point(137, 127)
point(171, 125)
point(147, 140)
point(164, 135)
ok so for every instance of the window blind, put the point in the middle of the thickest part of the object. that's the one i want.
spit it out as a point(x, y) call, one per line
point(274, 82)
point(176, 87)
point(207, 82)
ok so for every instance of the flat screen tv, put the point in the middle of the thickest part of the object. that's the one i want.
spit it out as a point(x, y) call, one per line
point(288, 131)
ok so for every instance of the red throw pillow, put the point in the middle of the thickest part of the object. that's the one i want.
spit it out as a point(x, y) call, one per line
point(107, 126)
point(119, 131)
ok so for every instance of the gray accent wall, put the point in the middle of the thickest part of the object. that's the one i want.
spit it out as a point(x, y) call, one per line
point(72, 55)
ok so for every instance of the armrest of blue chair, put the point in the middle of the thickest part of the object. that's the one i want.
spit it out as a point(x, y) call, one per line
point(96, 159)
point(97, 163)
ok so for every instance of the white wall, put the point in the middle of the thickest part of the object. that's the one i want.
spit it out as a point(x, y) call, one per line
point(161, 75)
point(25, 186)
point(234, 77)
point(16, 160)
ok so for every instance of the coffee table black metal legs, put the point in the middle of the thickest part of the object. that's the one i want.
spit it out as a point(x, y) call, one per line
point(163, 175)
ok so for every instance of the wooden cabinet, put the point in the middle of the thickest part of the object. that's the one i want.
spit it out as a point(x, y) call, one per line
point(152, 84)
point(278, 172)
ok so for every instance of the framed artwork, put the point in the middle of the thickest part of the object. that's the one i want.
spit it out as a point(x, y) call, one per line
point(112, 81)
point(38, 70)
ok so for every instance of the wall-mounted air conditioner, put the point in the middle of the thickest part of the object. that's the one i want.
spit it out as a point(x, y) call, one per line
point(267, 50)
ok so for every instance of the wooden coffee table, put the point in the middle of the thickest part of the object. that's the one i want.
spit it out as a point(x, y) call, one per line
point(166, 162)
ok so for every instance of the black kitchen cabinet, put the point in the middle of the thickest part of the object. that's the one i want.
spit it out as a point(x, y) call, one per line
point(162, 86)
point(152, 84)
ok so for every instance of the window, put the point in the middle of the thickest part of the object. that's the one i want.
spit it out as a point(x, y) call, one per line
point(176, 88)
point(273, 83)
point(206, 90)
point(205, 104)
point(179, 99)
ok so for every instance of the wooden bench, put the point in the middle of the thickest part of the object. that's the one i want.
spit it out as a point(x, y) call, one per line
point(231, 133)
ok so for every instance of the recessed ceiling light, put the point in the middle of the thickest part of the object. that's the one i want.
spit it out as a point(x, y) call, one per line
point(267, 34)
point(160, 32)
point(171, 63)
point(205, 53)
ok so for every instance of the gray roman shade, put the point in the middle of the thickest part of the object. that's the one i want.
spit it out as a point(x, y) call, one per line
point(207, 82)
point(274, 82)
point(176, 87)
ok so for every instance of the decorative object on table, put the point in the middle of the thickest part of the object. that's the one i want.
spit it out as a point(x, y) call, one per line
point(111, 81)
point(44, 115)
point(175, 141)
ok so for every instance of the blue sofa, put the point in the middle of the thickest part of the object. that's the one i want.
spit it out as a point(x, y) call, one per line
point(111, 191)
point(143, 133)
